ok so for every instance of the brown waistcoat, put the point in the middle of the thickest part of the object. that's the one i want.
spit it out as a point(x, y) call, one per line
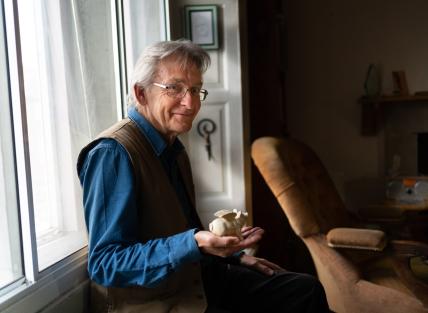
point(160, 216)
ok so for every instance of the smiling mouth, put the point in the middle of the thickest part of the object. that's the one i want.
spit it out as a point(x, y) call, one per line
point(183, 114)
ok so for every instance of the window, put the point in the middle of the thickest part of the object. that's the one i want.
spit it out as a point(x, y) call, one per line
point(145, 22)
point(63, 80)
point(65, 63)
point(58, 90)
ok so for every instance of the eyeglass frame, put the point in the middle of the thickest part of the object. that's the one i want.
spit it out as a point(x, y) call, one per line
point(203, 93)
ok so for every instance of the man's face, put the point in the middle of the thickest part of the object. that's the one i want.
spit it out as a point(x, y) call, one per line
point(172, 116)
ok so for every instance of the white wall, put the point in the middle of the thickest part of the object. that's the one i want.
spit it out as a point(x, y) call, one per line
point(330, 45)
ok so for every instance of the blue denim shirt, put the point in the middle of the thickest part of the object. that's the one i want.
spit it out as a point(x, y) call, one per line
point(116, 258)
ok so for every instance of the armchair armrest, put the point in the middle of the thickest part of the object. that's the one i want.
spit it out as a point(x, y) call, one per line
point(356, 238)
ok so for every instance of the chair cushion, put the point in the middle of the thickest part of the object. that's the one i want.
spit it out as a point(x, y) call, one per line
point(356, 238)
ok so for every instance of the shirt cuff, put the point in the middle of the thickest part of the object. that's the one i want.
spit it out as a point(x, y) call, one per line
point(183, 248)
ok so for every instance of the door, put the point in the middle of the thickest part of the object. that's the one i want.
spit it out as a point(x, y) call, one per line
point(220, 180)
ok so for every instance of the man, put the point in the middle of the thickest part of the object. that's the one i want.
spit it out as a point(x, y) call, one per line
point(147, 249)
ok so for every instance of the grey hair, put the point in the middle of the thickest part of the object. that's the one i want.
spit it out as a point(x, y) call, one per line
point(185, 52)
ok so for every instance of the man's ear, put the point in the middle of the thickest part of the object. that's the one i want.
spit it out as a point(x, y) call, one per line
point(140, 95)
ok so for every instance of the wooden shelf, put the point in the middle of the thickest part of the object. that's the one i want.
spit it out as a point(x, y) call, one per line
point(390, 204)
point(402, 99)
point(371, 113)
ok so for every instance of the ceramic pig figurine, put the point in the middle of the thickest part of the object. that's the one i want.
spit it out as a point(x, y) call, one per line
point(228, 223)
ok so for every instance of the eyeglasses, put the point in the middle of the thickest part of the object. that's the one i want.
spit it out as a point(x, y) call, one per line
point(179, 91)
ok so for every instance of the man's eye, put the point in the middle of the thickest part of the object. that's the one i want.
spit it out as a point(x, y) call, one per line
point(195, 90)
point(174, 88)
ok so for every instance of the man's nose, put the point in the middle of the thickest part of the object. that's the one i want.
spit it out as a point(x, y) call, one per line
point(188, 100)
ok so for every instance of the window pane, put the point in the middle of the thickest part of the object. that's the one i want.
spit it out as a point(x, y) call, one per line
point(70, 96)
point(145, 23)
point(10, 251)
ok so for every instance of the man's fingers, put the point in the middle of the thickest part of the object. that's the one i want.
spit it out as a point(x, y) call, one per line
point(227, 245)
point(246, 228)
point(248, 231)
point(262, 265)
point(216, 245)
point(252, 238)
point(265, 269)
point(271, 265)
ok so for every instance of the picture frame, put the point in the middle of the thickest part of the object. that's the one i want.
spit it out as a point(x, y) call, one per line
point(400, 83)
point(201, 25)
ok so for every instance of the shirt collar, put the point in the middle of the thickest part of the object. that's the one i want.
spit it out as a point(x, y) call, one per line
point(156, 140)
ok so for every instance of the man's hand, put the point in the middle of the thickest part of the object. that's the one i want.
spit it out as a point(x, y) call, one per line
point(261, 265)
point(227, 245)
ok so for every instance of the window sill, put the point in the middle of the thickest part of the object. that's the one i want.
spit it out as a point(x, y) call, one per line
point(51, 251)
point(55, 281)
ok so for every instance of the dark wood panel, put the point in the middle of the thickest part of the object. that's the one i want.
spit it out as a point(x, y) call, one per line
point(267, 74)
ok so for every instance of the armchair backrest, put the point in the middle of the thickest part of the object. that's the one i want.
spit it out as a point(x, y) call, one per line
point(301, 185)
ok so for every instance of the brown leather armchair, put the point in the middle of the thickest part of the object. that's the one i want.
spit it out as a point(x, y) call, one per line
point(360, 269)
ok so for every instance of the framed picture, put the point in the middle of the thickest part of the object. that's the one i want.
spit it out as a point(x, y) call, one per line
point(201, 25)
